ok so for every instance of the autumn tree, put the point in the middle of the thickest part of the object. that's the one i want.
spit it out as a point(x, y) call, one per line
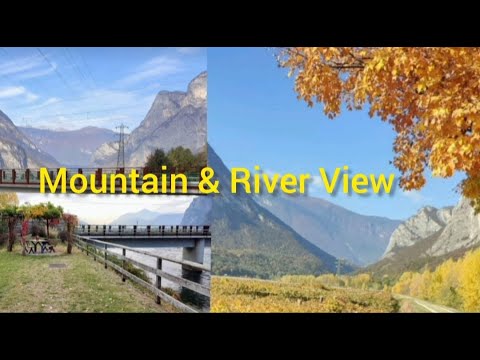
point(11, 213)
point(8, 198)
point(70, 221)
point(47, 212)
point(469, 281)
point(430, 96)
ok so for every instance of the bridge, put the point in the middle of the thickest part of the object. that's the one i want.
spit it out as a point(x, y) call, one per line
point(100, 241)
point(28, 180)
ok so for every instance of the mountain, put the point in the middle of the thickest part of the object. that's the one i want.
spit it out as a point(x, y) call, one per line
point(147, 217)
point(175, 119)
point(71, 148)
point(18, 151)
point(248, 239)
point(429, 238)
point(358, 238)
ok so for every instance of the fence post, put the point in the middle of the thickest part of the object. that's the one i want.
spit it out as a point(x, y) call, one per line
point(158, 282)
point(105, 256)
point(124, 263)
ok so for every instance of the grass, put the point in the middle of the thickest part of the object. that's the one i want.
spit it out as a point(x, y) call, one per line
point(252, 295)
point(29, 284)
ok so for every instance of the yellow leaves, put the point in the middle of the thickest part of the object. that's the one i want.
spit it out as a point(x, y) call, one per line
point(430, 95)
point(380, 65)
point(453, 283)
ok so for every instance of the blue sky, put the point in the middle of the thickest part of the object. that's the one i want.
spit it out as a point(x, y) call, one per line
point(254, 118)
point(70, 88)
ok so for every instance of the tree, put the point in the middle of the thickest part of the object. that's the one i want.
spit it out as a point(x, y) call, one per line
point(71, 221)
point(12, 214)
point(48, 212)
point(182, 158)
point(469, 281)
point(156, 160)
point(8, 198)
point(429, 95)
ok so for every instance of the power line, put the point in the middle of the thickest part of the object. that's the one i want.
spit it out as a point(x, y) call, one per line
point(71, 59)
point(87, 68)
point(55, 69)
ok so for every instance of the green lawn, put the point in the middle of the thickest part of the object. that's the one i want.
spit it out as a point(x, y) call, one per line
point(29, 284)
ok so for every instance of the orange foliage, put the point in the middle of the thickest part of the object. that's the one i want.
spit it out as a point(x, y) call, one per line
point(431, 96)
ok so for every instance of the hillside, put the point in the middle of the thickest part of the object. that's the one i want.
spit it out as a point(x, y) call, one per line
point(358, 238)
point(17, 151)
point(248, 239)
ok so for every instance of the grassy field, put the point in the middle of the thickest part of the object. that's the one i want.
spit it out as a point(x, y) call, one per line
point(251, 295)
point(29, 284)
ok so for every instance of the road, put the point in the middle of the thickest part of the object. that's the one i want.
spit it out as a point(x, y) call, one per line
point(411, 304)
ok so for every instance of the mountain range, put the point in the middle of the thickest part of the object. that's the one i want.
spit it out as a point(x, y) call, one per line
point(345, 234)
point(72, 148)
point(176, 118)
point(147, 217)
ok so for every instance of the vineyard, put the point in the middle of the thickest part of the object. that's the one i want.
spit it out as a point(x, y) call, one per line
point(295, 294)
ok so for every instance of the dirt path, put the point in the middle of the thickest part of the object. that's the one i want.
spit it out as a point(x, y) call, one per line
point(411, 304)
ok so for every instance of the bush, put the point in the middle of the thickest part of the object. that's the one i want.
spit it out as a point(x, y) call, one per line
point(63, 236)
point(39, 229)
point(53, 233)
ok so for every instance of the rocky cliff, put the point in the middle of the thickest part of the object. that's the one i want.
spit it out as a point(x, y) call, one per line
point(175, 119)
point(429, 238)
point(18, 151)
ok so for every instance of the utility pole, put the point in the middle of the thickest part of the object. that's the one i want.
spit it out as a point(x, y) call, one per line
point(339, 266)
point(121, 146)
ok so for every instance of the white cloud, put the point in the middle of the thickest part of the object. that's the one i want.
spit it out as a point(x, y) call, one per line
point(12, 91)
point(317, 181)
point(189, 50)
point(107, 108)
point(99, 209)
point(159, 66)
point(415, 196)
point(26, 67)
point(37, 73)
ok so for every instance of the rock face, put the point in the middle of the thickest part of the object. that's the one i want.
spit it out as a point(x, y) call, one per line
point(248, 239)
point(426, 222)
point(175, 119)
point(18, 151)
point(461, 231)
point(72, 148)
point(344, 234)
point(429, 238)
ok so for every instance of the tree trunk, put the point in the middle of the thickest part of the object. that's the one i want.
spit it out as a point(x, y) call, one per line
point(48, 231)
point(11, 234)
point(69, 239)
